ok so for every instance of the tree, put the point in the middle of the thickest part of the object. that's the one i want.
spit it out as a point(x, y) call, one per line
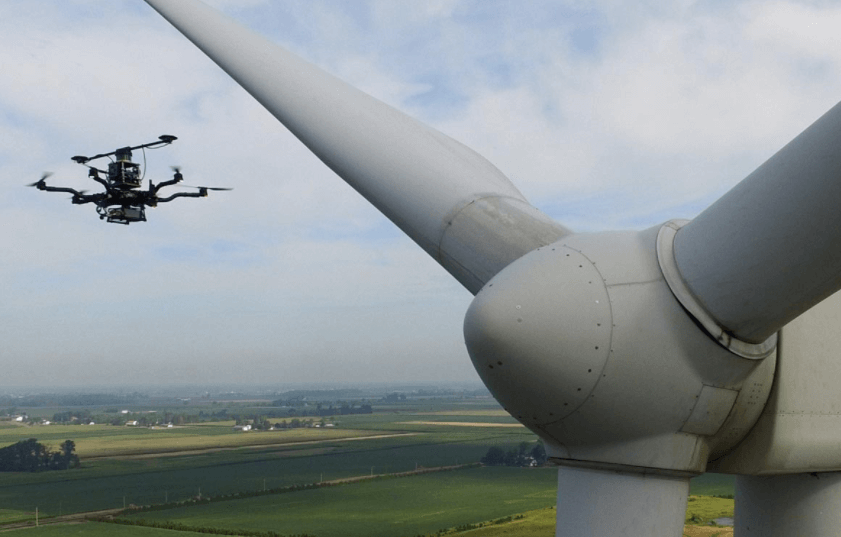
point(31, 456)
point(494, 457)
point(67, 448)
point(538, 452)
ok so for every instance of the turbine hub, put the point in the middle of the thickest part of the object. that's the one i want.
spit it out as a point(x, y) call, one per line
point(542, 365)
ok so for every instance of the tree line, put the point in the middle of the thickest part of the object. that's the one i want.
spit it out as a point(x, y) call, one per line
point(297, 407)
point(522, 456)
point(31, 456)
point(71, 399)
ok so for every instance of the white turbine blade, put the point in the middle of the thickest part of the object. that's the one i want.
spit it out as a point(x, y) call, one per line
point(770, 249)
point(457, 206)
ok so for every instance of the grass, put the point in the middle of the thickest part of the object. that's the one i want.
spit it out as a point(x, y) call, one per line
point(536, 523)
point(704, 509)
point(385, 508)
point(707, 531)
point(12, 515)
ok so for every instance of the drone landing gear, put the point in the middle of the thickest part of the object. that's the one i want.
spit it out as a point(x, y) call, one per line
point(125, 214)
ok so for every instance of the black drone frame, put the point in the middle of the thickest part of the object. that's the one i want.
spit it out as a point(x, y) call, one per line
point(123, 202)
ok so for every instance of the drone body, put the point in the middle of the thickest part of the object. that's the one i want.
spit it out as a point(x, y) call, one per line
point(123, 200)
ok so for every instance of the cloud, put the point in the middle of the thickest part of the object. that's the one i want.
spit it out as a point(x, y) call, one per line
point(606, 115)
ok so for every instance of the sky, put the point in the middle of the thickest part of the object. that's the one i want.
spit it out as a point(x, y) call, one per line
point(606, 115)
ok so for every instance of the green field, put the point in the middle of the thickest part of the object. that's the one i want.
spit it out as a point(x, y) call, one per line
point(250, 461)
point(713, 485)
point(383, 508)
point(125, 466)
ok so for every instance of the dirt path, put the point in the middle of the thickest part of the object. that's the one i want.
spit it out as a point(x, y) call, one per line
point(63, 519)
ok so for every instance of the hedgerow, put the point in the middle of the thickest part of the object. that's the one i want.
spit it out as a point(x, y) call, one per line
point(178, 526)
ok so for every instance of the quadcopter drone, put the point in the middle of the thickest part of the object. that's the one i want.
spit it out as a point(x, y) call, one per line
point(123, 201)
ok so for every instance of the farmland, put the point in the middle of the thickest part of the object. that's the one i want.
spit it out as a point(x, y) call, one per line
point(390, 507)
point(267, 480)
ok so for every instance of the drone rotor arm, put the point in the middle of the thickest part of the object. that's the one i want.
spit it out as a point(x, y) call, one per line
point(82, 198)
point(182, 195)
point(177, 178)
point(164, 139)
point(48, 188)
point(98, 179)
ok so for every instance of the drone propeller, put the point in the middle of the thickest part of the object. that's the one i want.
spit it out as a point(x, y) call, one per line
point(207, 187)
point(41, 180)
point(177, 177)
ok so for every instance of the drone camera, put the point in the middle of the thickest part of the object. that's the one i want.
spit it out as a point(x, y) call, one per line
point(123, 215)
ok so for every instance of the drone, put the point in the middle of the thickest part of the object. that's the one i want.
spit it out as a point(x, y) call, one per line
point(123, 201)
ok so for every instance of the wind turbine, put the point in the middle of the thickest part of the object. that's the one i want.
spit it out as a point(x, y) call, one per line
point(641, 358)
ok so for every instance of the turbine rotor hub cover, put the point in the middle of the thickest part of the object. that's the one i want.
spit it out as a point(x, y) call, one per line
point(542, 365)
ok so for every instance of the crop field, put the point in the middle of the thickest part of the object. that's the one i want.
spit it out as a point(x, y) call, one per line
point(416, 505)
point(390, 507)
point(107, 441)
point(143, 466)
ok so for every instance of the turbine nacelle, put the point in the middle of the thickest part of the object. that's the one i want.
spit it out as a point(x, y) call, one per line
point(584, 342)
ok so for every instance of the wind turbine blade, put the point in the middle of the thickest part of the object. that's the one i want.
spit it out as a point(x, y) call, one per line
point(770, 249)
point(456, 205)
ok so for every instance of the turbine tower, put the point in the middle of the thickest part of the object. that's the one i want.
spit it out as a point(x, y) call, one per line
point(640, 358)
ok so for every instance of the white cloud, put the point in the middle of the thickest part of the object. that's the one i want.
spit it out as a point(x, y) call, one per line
point(604, 114)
